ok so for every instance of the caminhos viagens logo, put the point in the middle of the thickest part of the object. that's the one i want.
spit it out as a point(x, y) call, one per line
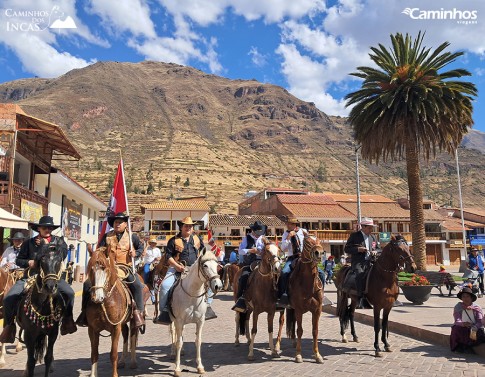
point(458, 15)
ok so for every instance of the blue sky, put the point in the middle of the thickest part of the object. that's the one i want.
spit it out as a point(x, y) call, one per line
point(307, 46)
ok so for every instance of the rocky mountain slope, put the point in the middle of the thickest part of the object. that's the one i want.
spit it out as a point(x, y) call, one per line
point(183, 132)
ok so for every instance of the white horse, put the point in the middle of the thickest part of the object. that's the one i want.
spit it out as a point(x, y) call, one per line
point(189, 304)
point(18, 347)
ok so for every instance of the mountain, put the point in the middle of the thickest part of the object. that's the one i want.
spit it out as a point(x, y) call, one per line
point(185, 133)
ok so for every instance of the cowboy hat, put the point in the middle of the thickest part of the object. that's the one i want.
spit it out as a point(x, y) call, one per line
point(292, 220)
point(17, 236)
point(186, 220)
point(469, 291)
point(258, 226)
point(47, 221)
point(120, 215)
point(153, 239)
point(367, 221)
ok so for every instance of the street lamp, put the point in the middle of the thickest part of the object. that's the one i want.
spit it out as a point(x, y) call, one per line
point(357, 178)
point(462, 267)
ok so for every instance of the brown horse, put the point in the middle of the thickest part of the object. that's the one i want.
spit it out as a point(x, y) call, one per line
point(382, 290)
point(109, 309)
point(305, 291)
point(261, 295)
point(230, 271)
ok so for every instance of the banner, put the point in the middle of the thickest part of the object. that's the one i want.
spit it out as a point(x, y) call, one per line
point(118, 201)
point(71, 218)
point(30, 211)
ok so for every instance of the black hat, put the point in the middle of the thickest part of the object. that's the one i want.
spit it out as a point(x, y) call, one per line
point(258, 225)
point(47, 221)
point(120, 215)
point(17, 236)
point(469, 291)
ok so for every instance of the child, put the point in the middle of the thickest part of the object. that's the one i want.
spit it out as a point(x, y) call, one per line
point(329, 265)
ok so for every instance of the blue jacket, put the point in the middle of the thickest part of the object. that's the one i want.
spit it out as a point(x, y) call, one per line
point(475, 261)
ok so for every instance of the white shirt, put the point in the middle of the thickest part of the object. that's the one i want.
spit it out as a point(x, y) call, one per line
point(243, 247)
point(286, 245)
point(9, 256)
point(152, 253)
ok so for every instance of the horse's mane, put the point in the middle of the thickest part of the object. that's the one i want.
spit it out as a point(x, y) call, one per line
point(207, 256)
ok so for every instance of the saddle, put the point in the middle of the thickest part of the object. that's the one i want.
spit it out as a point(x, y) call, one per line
point(179, 276)
point(350, 280)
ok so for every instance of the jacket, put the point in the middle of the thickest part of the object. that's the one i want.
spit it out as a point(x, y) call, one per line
point(355, 241)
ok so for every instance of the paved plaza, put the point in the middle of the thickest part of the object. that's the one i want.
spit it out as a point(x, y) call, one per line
point(411, 356)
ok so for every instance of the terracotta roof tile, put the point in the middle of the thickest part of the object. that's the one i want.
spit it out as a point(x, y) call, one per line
point(364, 198)
point(389, 210)
point(244, 220)
point(177, 205)
point(326, 211)
point(305, 199)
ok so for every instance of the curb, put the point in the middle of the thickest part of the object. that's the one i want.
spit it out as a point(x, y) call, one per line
point(398, 328)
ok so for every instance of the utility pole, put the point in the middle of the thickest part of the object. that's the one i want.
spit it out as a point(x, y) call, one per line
point(462, 265)
point(357, 178)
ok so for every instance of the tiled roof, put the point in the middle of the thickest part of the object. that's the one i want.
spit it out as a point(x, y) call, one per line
point(364, 198)
point(322, 211)
point(305, 199)
point(243, 220)
point(453, 225)
point(177, 205)
point(475, 211)
point(431, 214)
point(389, 210)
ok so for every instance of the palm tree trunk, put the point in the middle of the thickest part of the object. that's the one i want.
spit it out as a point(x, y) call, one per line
point(416, 206)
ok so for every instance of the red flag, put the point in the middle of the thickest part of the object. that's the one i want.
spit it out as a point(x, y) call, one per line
point(118, 201)
point(214, 248)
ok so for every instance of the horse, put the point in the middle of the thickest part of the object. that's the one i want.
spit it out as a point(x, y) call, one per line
point(261, 294)
point(109, 309)
point(188, 303)
point(305, 293)
point(230, 271)
point(40, 311)
point(382, 290)
point(7, 280)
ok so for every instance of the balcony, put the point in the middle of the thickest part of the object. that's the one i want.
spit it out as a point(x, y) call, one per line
point(20, 192)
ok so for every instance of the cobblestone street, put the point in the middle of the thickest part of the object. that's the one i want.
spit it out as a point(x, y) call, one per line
point(221, 358)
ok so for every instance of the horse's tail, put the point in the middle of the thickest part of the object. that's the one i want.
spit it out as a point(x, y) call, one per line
point(290, 323)
point(344, 310)
point(39, 348)
point(242, 323)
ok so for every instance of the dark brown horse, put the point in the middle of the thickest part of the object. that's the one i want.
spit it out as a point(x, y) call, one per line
point(109, 309)
point(305, 292)
point(382, 290)
point(40, 311)
point(261, 295)
point(230, 271)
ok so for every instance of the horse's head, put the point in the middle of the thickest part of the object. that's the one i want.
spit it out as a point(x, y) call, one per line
point(399, 246)
point(312, 249)
point(208, 269)
point(270, 256)
point(50, 263)
point(99, 272)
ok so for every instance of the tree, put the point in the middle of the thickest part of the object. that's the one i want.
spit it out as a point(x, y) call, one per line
point(321, 173)
point(407, 108)
point(187, 182)
point(160, 184)
point(150, 188)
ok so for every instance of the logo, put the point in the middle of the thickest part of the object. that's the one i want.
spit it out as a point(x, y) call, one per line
point(38, 20)
point(460, 16)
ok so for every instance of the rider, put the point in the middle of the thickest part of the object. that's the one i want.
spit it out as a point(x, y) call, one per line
point(28, 258)
point(151, 254)
point(360, 245)
point(10, 254)
point(118, 242)
point(182, 250)
point(292, 245)
point(249, 249)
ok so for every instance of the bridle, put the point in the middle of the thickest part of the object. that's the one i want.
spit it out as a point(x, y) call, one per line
point(46, 277)
point(401, 261)
point(205, 277)
point(309, 256)
point(271, 260)
point(107, 270)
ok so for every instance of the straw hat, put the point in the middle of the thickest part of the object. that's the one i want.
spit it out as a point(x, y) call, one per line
point(186, 220)
point(367, 221)
point(153, 239)
point(292, 220)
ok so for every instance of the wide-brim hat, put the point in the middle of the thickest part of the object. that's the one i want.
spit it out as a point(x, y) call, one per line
point(17, 236)
point(120, 215)
point(292, 220)
point(152, 240)
point(367, 221)
point(186, 220)
point(258, 225)
point(469, 291)
point(47, 221)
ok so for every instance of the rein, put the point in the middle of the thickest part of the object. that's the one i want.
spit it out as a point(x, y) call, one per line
point(208, 279)
point(401, 258)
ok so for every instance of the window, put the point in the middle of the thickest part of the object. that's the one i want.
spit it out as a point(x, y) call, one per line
point(87, 230)
point(400, 227)
point(94, 229)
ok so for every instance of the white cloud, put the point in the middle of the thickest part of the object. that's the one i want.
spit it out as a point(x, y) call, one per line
point(257, 58)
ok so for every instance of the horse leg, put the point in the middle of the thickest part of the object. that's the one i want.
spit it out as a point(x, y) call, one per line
point(18, 344)
point(246, 325)
point(270, 334)
point(236, 342)
point(94, 338)
point(355, 338)
point(377, 328)
point(49, 356)
point(125, 335)
point(29, 369)
point(198, 343)
point(385, 330)
point(315, 319)
point(280, 331)
point(173, 351)
point(254, 331)
point(133, 341)
point(2, 354)
point(115, 337)
point(179, 330)
point(225, 279)
point(299, 333)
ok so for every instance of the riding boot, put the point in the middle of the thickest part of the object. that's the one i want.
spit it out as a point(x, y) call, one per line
point(163, 318)
point(138, 318)
point(210, 314)
point(68, 326)
point(82, 321)
point(240, 305)
point(8, 334)
point(282, 302)
point(363, 304)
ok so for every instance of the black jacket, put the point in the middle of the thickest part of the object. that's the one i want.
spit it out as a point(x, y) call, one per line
point(355, 241)
point(30, 251)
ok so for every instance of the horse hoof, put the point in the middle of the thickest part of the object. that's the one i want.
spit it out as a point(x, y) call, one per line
point(319, 359)
point(344, 340)
point(298, 359)
point(121, 365)
point(133, 365)
point(200, 370)
point(388, 349)
point(177, 373)
point(275, 354)
point(356, 339)
point(251, 357)
point(378, 354)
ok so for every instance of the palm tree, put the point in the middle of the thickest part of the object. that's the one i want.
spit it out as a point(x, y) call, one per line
point(408, 108)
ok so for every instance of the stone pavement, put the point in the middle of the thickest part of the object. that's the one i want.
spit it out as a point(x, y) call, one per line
point(412, 355)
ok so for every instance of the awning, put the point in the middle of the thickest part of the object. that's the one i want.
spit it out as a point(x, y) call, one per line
point(477, 241)
point(8, 220)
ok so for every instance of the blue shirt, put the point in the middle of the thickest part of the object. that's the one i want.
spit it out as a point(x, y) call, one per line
point(474, 261)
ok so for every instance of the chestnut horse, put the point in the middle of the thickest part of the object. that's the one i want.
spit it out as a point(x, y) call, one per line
point(155, 278)
point(305, 292)
point(40, 311)
point(382, 290)
point(109, 309)
point(230, 271)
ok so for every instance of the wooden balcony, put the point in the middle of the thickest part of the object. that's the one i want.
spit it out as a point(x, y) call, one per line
point(19, 193)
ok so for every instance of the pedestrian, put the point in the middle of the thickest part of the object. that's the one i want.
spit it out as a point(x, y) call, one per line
point(467, 330)
point(329, 266)
point(475, 263)
point(28, 258)
point(151, 255)
point(360, 246)
point(182, 250)
point(10, 254)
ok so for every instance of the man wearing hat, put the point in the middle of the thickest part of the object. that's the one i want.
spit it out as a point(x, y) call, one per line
point(28, 258)
point(182, 250)
point(360, 245)
point(10, 254)
point(118, 243)
point(475, 263)
point(249, 249)
point(151, 254)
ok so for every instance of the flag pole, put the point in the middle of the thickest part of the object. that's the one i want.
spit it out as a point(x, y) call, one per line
point(128, 214)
